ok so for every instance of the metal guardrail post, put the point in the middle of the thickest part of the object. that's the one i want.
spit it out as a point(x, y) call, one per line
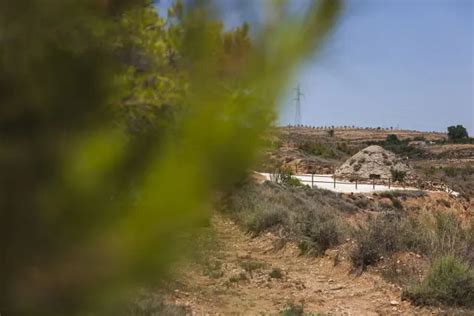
point(389, 182)
point(312, 180)
point(356, 184)
point(334, 182)
point(373, 183)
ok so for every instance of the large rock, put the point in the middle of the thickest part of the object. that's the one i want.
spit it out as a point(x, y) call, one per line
point(372, 162)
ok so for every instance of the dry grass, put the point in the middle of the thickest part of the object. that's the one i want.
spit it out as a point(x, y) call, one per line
point(313, 218)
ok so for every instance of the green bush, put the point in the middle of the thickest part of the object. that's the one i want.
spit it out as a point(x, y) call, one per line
point(457, 133)
point(449, 282)
point(392, 139)
point(293, 310)
point(398, 175)
point(295, 182)
point(328, 151)
point(286, 178)
point(276, 273)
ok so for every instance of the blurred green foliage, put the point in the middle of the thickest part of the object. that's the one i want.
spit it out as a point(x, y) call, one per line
point(117, 125)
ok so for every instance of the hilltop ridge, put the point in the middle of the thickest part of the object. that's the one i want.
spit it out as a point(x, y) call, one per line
point(361, 134)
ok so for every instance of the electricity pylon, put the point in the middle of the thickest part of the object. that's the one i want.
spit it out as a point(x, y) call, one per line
point(298, 105)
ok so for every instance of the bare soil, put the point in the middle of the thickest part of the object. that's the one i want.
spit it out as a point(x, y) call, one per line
point(235, 279)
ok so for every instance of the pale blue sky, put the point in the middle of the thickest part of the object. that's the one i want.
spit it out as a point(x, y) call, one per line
point(389, 63)
point(406, 63)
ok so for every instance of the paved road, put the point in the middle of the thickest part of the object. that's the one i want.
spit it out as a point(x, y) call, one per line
point(326, 181)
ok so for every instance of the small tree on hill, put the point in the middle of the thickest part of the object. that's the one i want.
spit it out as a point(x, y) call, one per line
point(457, 133)
point(392, 139)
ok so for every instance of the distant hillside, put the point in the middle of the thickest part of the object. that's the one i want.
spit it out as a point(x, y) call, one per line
point(361, 134)
point(318, 150)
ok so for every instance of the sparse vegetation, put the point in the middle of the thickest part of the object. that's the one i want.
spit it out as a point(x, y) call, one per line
point(460, 179)
point(293, 310)
point(213, 269)
point(242, 276)
point(319, 230)
point(251, 265)
point(403, 274)
point(395, 202)
point(398, 175)
point(450, 281)
point(400, 147)
point(149, 304)
point(276, 273)
point(311, 217)
point(444, 202)
point(262, 218)
point(323, 150)
point(404, 194)
point(381, 236)
point(436, 235)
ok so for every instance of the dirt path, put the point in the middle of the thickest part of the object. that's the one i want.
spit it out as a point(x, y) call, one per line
point(235, 280)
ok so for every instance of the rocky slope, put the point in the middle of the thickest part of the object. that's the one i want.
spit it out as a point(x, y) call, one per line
point(373, 162)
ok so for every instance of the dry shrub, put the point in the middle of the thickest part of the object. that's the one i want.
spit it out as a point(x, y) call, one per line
point(450, 281)
point(441, 237)
point(379, 237)
point(311, 217)
point(432, 236)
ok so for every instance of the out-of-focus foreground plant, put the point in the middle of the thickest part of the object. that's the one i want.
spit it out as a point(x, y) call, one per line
point(117, 125)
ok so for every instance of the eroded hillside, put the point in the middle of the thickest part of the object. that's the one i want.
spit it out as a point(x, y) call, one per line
point(292, 250)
